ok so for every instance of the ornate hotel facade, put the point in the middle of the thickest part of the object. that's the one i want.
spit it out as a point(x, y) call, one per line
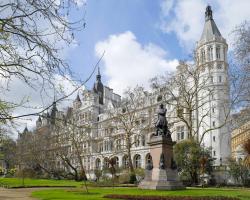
point(92, 109)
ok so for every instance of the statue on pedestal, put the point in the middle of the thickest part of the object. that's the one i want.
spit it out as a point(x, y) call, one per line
point(162, 124)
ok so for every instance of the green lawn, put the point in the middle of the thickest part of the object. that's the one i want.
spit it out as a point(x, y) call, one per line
point(17, 182)
point(98, 193)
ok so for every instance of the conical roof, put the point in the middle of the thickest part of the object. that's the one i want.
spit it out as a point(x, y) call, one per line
point(98, 86)
point(39, 119)
point(25, 130)
point(78, 98)
point(210, 29)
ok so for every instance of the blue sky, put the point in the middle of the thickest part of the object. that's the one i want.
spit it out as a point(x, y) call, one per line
point(105, 18)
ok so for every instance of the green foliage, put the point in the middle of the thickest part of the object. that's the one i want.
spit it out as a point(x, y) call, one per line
point(239, 172)
point(132, 178)
point(191, 160)
point(8, 152)
point(1, 171)
point(12, 171)
point(98, 174)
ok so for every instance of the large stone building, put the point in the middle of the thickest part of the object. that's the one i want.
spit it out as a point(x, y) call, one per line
point(95, 108)
point(240, 135)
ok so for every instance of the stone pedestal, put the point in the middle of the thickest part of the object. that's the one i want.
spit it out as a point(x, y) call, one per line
point(163, 175)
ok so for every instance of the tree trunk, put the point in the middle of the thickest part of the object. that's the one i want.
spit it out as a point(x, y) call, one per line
point(130, 162)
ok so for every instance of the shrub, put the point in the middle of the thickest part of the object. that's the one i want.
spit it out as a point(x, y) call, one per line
point(12, 171)
point(140, 173)
point(98, 174)
point(124, 178)
point(26, 172)
point(132, 178)
point(1, 171)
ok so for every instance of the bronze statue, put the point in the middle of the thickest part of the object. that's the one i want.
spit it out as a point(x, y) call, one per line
point(162, 124)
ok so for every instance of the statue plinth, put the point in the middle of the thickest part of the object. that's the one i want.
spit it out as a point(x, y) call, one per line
point(163, 174)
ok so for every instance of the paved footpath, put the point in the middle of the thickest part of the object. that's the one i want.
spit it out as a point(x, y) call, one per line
point(17, 194)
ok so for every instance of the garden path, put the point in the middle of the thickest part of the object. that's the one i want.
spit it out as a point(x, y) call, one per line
point(17, 194)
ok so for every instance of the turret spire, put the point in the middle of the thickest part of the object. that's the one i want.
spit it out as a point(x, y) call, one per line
point(210, 30)
point(98, 76)
point(208, 13)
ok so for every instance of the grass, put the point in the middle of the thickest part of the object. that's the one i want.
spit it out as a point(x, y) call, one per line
point(18, 182)
point(98, 193)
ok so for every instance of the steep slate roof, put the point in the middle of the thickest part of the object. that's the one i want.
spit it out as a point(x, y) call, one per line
point(210, 29)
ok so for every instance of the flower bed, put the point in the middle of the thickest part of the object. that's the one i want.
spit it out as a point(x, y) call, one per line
point(134, 197)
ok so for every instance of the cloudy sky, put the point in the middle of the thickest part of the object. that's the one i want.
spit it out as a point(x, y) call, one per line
point(141, 38)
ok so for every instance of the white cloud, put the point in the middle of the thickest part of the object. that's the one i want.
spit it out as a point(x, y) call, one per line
point(128, 63)
point(188, 18)
point(37, 99)
point(166, 6)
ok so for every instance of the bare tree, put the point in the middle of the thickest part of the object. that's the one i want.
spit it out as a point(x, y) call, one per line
point(240, 69)
point(8, 152)
point(190, 93)
point(131, 120)
point(32, 34)
point(70, 144)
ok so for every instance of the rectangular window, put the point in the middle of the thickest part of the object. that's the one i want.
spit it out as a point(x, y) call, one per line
point(214, 153)
point(218, 52)
point(182, 135)
point(202, 55)
point(143, 140)
point(118, 144)
point(212, 79)
point(220, 79)
point(136, 141)
point(180, 132)
point(210, 53)
point(178, 136)
point(213, 110)
point(214, 138)
point(213, 123)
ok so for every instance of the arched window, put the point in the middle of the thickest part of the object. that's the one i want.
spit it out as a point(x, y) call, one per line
point(137, 161)
point(125, 162)
point(115, 161)
point(148, 159)
point(98, 163)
